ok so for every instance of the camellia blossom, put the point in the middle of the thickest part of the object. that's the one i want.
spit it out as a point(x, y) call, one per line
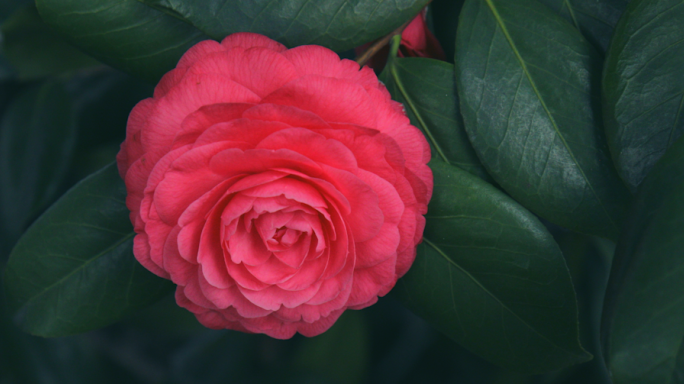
point(276, 187)
point(416, 41)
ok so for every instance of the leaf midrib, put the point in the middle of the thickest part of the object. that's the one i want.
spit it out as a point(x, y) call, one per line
point(523, 65)
point(67, 276)
point(484, 289)
point(405, 95)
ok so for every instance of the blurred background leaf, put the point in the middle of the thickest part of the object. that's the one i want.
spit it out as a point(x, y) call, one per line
point(34, 50)
point(644, 319)
point(37, 136)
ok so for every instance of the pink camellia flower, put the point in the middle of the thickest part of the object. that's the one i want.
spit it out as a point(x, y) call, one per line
point(416, 41)
point(275, 187)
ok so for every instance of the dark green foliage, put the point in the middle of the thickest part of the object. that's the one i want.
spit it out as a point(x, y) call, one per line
point(87, 276)
point(337, 24)
point(643, 316)
point(643, 86)
point(528, 84)
point(491, 277)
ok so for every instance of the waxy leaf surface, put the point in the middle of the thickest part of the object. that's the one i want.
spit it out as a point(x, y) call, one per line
point(125, 34)
point(427, 90)
point(337, 24)
point(643, 86)
point(528, 85)
point(596, 19)
point(74, 269)
point(490, 276)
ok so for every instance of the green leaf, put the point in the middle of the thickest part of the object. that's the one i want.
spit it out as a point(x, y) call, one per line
point(427, 90)
point(37, 136)
point(8, 7)
point(490, 276)
point(643, 86)
point(596, 19)
point(337, 24)
point(74, 270)
point(528, 85)
point(34, 50)
point(643, 312)
point(122, 33)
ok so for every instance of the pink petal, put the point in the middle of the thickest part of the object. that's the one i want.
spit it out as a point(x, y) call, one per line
point(244, 131)
point(272, 298)
point(248, 248)
point(186, 181)
point(259, 69)
point(310, 272)
point(198, 52)
point(249, 40)
point(378, 249)
point(290, 115)
point(371, 282)
point(317, 60)
point(349, 103)
point(290, 188)
point(199, 121)
point(210, 253)
point(168, 81)
point(180, 270)
point(131, 148)
point(192, 93)
point(141, 251)
point(312, 145)
point(273, 271)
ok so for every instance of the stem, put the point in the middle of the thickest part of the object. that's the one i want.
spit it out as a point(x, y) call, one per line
point(380, 44)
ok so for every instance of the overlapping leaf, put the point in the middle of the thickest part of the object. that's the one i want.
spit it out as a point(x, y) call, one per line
point(643, 86)
point(426, 89)
point(528, 86)
point(336, 24)
point(490, 276)
point(74, 270)
point(644, 315)
point(122, 33)
point(596, 19)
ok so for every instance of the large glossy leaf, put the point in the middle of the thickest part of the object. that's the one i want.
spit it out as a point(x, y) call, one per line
point(34, 49)
point(644, 314)
point(337, 24)
point(596, 19)
point(643, 86)
point(426, 88)
point(74, 270)
point(37, 137)
point(528, 86)
point(122, 33)
point(490, 276)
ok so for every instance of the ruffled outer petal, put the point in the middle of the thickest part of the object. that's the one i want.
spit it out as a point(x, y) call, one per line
point(277, 188)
